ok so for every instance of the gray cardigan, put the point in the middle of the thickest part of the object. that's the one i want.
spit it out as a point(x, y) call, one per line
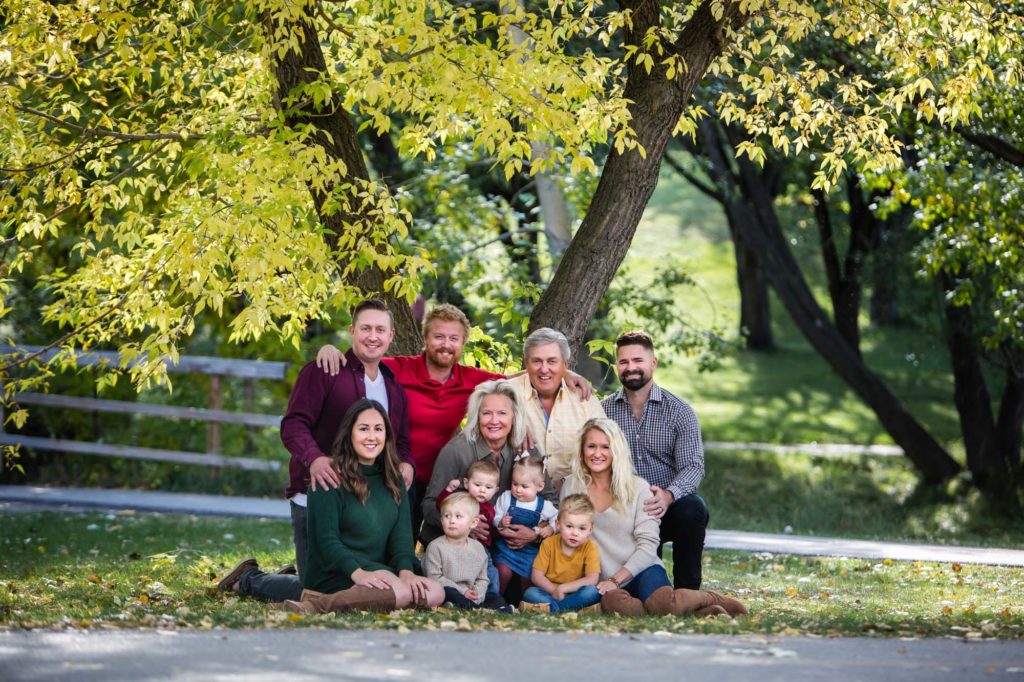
point(626, 539)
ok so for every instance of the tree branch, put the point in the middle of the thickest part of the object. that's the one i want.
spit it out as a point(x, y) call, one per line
point(704, 187)
point(993, 144)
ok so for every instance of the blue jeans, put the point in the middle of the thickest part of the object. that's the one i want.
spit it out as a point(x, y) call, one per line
point(493, 580)
point(644, 583)
point(580, 599)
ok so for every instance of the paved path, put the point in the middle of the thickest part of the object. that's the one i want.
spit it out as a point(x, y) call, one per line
point(114, 656)
point(717, 539)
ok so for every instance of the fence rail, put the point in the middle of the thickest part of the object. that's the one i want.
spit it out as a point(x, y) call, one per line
point(213, 415)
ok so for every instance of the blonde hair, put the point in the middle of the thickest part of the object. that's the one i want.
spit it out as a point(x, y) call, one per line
point(446, 312)
point(496, 387)
point(576, 504)
point(623, 487)
point(461, 497)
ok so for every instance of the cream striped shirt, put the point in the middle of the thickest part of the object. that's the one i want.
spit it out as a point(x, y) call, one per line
point(557, 434)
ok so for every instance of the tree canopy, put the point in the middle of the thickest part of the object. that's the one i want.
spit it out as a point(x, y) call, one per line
point(204, 156)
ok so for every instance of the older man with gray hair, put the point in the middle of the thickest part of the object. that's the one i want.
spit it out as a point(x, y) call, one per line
point(554, 413)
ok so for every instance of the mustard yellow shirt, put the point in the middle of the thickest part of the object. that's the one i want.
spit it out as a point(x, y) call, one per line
point(557, 434)
point(560, 568)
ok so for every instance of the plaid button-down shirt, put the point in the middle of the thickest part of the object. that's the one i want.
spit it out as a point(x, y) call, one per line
point(666, 444)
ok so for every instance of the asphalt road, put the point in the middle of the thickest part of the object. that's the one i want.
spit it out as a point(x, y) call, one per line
point(302, 654)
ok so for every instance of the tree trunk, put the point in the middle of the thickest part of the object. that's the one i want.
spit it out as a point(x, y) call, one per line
point(629, 179)
point(766, 238)
point(755, 306)
point(973, 403)
point(336, 134)
point(1011, 418)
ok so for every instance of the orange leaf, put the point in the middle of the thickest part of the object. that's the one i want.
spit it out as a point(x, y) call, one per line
point(957, 568)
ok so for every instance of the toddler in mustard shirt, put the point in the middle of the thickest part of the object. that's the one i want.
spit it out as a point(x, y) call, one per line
point(568, 565)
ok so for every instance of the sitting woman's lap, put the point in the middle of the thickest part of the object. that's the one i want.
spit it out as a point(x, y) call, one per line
point(647, 581)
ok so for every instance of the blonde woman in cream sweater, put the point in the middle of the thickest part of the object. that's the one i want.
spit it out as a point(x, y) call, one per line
point(633, 579)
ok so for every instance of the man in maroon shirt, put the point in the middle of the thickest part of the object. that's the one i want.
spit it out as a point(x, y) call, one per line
point(310, 424)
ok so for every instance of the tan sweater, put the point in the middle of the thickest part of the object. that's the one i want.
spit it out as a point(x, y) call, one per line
point(463, 567)
point(627, 540)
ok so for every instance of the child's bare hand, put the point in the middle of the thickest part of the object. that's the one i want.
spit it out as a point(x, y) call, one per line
point(546, 531)
point(453, 485)
point(472, 596)
point(560, 592)
point(506, 521)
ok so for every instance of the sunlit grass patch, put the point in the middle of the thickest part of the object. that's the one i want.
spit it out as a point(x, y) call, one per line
point(153, 571)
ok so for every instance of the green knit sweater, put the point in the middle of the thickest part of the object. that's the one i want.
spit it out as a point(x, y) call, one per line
point(345, 534)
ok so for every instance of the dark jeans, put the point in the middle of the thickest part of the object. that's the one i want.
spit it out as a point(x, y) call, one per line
point(684, 525)
point(416, 494)
point(643, 584)
point(273, 586)
point(299, 538)
point(459, 600)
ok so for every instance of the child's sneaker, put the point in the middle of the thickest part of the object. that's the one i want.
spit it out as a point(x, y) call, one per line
point(593, 608)
point(530, 607)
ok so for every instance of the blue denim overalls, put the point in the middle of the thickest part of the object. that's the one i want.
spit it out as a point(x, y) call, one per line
point(520, 560)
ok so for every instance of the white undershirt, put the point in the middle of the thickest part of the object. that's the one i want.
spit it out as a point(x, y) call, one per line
point(376, 389)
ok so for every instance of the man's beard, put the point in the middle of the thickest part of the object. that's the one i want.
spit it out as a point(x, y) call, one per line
point(634, 382)
point(440, 360)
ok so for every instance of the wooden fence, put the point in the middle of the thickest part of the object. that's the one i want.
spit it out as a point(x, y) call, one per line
point(213, 415)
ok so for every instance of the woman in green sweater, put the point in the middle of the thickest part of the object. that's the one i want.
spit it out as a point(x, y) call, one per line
point(360, 534)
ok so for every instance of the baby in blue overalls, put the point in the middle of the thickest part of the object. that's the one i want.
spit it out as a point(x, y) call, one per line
point(522, 506)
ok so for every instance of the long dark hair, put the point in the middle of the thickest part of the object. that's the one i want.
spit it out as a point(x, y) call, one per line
point(346, 461)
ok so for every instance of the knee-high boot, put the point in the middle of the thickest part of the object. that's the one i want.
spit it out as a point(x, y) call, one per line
point(355, 598)
point(622, 603)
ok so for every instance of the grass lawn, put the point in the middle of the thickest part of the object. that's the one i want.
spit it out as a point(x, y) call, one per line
point(79, 570)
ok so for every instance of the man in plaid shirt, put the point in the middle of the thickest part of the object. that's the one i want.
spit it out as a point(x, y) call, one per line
point(664, 437)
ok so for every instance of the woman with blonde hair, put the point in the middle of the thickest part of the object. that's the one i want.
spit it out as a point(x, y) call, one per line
point(633, 579)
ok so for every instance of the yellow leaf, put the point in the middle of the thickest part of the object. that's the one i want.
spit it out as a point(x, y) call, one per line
point(957, 567)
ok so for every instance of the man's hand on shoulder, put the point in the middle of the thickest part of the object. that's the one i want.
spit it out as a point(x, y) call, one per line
point(322, 473)
point(657, 505)
point(330, 359)
point(408, 473)
point(584, 389)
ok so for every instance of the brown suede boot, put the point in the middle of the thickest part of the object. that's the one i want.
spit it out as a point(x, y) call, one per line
point(660, 602)
point(355, 598)
point(665, 601)
point(358, 598)
point(711, 611)
point(621, 603)
point(732, 606)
